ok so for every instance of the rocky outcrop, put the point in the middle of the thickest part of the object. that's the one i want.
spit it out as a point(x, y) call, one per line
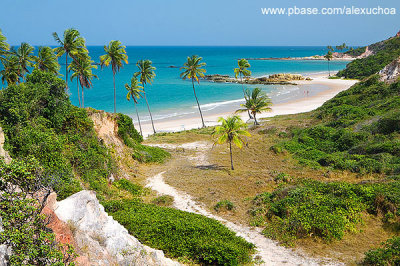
point(391, 72)
point(100, 239)
point(281, 79)
point(3, 153)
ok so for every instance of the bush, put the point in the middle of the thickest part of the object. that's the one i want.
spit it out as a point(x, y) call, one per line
point(181, 234)
point(133, 189)
point(164, 200)
point(39, 120)
point(389, 254)
point(323, 210)
point(224, 204)
point(132, 139)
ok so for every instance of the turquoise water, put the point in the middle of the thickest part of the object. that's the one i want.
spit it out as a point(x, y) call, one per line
point(170, 96)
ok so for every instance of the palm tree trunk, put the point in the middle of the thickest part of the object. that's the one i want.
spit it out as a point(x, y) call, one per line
point(83, 98)
point(255, 120)
point(137, 113)
point(329, 68)
point(115, 103)
point(66, 69)
point(244, 94)
point(148, 108)
point(230, 150)
point(198, 105)
point(79, 94)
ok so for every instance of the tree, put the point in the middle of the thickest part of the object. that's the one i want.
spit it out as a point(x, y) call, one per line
point(193, 70)
point(115, 56)
point(256, 102)
point(342, 47)
point(82, 68)
point(71, 45)
point(134, 92)
point(25, 57)
point(11, 72)
point(232, 129)
point(46, 60)
point(242, 71)
point(329, 57)
point(146, 73)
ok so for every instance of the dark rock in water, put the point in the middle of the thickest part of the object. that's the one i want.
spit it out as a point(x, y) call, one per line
point(172, 66)
point(280, 79)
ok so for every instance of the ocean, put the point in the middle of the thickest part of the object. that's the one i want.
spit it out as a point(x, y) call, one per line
point(169, 96)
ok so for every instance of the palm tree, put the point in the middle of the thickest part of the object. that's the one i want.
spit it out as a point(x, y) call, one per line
point(134, 92)
point(115, 56)
point(25, 57)
point(193, 70)
point(146, 73)
point(71, 45)
point(256, 102)
point(231, 130)
point(46, 60)
point(4, 47)
point(82, 68)
point(242, 71)
point(11, 70)
point(329, 57)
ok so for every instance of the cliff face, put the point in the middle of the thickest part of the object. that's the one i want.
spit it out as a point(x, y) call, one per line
point(98, 238)
point(391, 72)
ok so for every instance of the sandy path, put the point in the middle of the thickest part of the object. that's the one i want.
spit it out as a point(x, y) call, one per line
point(268, 250)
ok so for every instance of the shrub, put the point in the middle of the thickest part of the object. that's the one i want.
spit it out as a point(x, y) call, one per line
point(181, 234)
point(324, 210)
point(133, 189)
point(389, 254)
point(224, 204)
point(39, 120)
point(164, 200)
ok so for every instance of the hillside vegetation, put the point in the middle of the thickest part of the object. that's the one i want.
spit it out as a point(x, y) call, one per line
point(384, 53)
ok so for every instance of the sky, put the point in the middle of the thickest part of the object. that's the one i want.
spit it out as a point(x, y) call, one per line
point(195, 23)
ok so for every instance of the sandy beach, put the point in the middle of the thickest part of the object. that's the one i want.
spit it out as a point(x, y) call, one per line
point(320, 89)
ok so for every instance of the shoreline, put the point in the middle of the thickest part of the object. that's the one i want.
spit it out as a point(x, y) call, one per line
point(323, 89)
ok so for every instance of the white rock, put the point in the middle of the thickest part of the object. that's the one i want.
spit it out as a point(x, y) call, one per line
point(103, 239)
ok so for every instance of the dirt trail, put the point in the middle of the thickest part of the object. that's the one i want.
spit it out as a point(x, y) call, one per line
point(267, 250)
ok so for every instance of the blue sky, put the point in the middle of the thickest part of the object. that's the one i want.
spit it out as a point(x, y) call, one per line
point(188, 22)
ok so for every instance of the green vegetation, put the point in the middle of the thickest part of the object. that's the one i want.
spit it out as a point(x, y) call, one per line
point(389, 254)
point(193, 69)
point(224, 204)
point(324, 210)
point(181, 234)
point(23, 226)
point(232, 129)
point(39, 121)
point(356, 52)
point(384, 53)
point(359, 131)
point(164, 200)
point(132, 139)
